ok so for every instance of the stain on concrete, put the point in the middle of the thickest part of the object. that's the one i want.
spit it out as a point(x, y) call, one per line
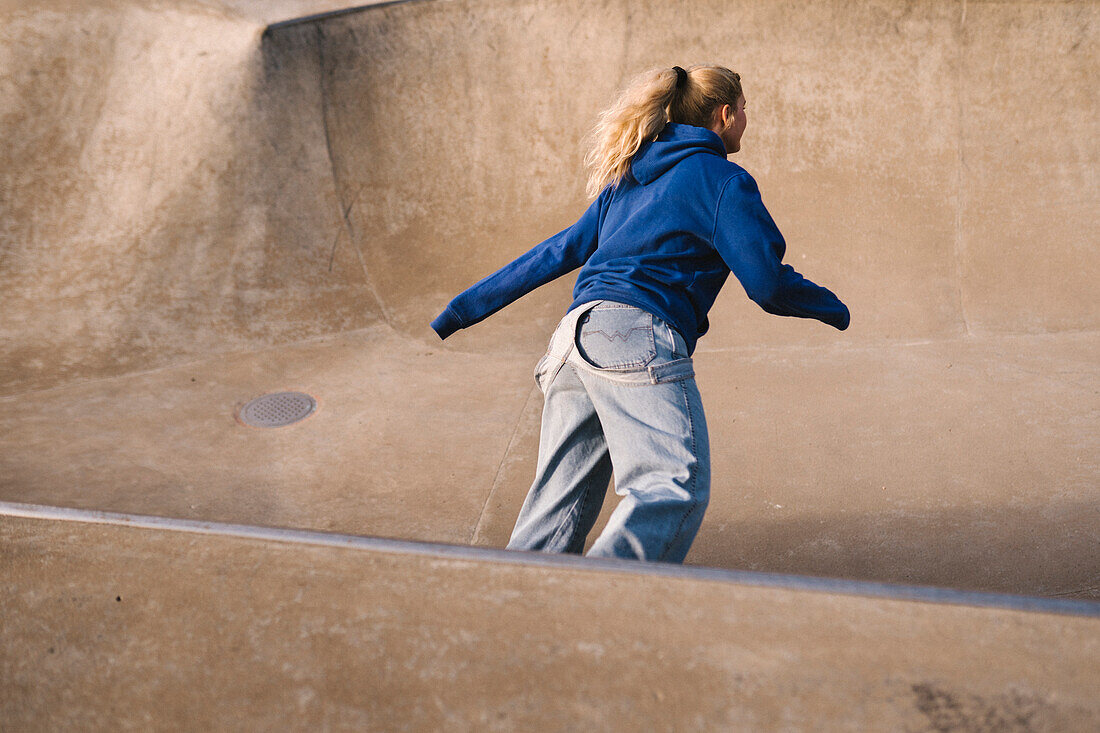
point(948, 711)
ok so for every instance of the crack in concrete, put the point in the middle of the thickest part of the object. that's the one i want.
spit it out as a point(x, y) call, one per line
point(960, 166)
point(345, 207)
point(476, 534)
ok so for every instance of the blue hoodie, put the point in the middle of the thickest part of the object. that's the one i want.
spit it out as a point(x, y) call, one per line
point(665, 240)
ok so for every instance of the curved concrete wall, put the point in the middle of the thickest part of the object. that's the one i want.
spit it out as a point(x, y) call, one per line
point(906, 150)
point(161, 199)
point(173, 187)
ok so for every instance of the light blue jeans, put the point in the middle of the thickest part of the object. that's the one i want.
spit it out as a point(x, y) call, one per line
point(620, 397)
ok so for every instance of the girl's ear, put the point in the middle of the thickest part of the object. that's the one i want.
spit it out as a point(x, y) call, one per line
point(720, 117)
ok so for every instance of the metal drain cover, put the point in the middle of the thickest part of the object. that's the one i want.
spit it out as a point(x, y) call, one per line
point(278, 409)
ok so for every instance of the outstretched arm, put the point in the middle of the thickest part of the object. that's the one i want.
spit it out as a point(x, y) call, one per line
point(562, 253)
point(750, 243)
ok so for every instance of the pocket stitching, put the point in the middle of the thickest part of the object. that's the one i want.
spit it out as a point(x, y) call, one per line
point(646, 360)
point(636, 364)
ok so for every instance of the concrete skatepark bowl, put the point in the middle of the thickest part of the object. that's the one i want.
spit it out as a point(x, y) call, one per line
point(206, 201)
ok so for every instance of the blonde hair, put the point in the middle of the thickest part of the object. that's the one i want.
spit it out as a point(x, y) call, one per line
point(641, 111)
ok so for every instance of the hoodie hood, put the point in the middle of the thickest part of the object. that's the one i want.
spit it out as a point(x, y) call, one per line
point(675, 143)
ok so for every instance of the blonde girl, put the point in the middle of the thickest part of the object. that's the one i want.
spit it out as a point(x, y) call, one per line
point(671, 220)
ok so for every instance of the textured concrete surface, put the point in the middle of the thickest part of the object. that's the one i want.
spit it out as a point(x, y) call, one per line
point(171, 631)
point(973, 501)
point(195, 213)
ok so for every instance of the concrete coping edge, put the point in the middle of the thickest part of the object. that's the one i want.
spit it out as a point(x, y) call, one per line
point(472, 553)
point(317, 17)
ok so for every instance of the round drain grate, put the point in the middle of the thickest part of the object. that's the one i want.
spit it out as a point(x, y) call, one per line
point(278, 409)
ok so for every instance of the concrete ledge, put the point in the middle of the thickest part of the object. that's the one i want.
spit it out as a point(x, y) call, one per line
point(891, 591)
point(332, 13)
point(115, 627)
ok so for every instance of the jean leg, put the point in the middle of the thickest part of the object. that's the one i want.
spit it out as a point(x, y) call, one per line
point(655, 429)
point(574, 469)
point(659, 447)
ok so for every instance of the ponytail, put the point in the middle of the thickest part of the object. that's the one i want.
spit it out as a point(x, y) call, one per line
point(652, 100)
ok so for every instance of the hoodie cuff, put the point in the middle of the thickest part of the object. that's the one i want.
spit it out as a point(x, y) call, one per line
point(842, 320)
point(446, 323)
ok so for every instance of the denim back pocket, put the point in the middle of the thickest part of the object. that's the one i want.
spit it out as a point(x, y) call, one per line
point(616, 336)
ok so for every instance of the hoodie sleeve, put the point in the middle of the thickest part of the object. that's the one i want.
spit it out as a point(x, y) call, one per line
point(562, 253)
point(750, 243)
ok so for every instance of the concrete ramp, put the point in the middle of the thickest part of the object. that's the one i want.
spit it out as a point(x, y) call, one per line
point(162, 628)
point(205, 201)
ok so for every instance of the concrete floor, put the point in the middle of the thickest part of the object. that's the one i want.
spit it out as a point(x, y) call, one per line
point(804, 483)
point(195, 211)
